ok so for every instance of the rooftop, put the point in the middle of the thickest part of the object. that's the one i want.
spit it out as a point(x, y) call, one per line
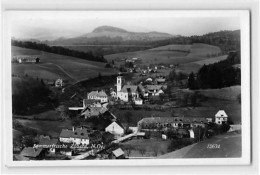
point(77, 133)
point(31, 152)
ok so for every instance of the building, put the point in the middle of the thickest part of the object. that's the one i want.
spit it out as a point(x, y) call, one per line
point(98, 95)
point(116, 129)
point(25, 59)
point(59, 83)
point(221, 117)
point(118, 154)
point(235, 128)
point(76, 136)
point(170, 122)
point(48, 144)
point(153, 90)
point(32, 153)
point(138, 101)
point(91, 103)
point(128, 93)
point(93, 111)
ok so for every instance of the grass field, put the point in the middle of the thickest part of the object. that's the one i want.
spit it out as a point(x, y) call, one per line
point(230, 146)
point(173, 47)
point(186, 56)
point(211, 60)
point(151, 147)
point(51, 128)
point(55, 66)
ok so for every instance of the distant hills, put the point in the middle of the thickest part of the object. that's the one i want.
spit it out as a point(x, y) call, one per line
point(111, 35)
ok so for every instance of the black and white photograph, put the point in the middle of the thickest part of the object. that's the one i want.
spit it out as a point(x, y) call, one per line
point(129, 86)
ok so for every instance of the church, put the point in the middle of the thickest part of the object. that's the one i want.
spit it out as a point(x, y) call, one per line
point(128, 93)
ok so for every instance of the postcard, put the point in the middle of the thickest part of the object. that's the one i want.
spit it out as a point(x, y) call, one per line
point(127, 88)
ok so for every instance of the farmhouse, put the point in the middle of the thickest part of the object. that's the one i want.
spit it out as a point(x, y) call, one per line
point(221, 117)
point(153, 90)
point(25, 59)
point(93, 111)
point(98, 95)
point(59, 83)
point(33, 153)
point(170, 122)
point(116, 129)
point(76, 136)
point(48, 144)
point(91, 103)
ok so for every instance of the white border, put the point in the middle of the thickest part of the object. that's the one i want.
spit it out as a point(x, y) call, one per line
point(245, 60)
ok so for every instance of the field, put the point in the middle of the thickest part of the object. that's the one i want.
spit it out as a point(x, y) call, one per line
point(187, 56)
point(55, 66)
point(211, 60)
point(230, 146)
point(150, 147)
point(52, 128)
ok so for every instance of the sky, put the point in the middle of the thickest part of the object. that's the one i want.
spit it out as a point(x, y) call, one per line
point(53, 25)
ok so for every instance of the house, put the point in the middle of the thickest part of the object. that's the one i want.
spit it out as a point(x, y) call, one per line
point(91, 103)
point(235, 128)
point(221, 117)
point(160, 80)
point(170, 122)
point(59, 83)
point(118, 154)
point(153, 90)
point(25, 59)
point(93, 111)
point(98, 95)
point(113, 93)
point(33, 153)
point(116, 129)
point(149, 80)
point(48, 144)
point(76, 136)
point(138, 101)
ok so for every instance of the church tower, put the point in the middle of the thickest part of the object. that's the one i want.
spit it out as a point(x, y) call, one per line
point(119, 83)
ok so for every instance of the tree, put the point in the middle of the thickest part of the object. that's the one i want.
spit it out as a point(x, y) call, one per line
point(128, 117)
point(142, 151)
point(191, 81)
point(99, 75)
point(128, 150)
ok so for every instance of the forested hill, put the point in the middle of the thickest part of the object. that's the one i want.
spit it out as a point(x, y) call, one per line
point(58, 50)
point(226, 40)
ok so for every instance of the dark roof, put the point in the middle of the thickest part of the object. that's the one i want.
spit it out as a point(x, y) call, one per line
point(89, 101)
point(95, 111)
point(31, 152)
point(132, 88)
point(77, 133)
point(46, 141)
point(153, 87)
point(152, 120)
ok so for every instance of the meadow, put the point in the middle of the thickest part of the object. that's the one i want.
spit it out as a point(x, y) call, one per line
point(189, 57)
point(55, 66)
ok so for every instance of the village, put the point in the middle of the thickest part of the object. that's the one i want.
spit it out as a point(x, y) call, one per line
point(100, 134)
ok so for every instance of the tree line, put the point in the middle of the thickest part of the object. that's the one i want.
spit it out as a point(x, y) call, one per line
point(58, 50)
point(217, 75)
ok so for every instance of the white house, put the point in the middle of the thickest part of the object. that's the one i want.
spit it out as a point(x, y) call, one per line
point(138, 101)
point(192, 135)
point(221, 117)
point(154, 90)
point(76, 136)
point(59, 83)
point(98, 95)
point(115, 129)
point(128, 92)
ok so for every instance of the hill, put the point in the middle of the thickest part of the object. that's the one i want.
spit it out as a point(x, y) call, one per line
point(111, 35)
point(230, 147)
point(55, 66)
point(169, 54)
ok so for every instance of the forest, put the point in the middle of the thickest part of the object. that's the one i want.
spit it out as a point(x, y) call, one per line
point(58, 50)
point(217, 75)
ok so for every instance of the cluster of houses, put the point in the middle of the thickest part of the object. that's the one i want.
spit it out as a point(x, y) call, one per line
point(25, 59)
point(115, 131)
